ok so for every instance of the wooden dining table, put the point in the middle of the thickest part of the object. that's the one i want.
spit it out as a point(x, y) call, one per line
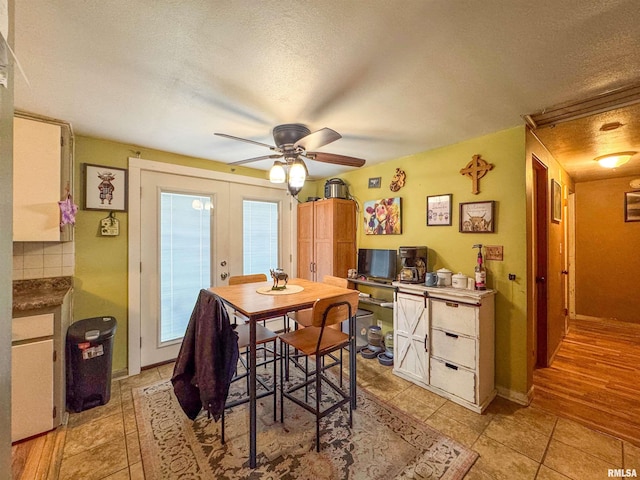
point(246, 299)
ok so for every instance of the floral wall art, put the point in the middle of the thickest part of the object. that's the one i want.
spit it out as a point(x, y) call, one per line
point(383, 216)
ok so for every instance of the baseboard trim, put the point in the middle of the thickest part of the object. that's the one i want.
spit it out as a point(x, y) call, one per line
point(517, 397)
point(119, 374)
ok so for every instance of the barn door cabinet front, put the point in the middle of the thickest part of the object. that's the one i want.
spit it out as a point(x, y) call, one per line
point(411, 337)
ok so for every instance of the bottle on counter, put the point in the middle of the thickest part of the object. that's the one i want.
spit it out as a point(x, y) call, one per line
point(480, 271)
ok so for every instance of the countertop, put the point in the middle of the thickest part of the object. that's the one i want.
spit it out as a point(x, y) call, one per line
point(40, 293)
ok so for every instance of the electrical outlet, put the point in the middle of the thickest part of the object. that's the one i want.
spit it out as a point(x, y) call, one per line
point(493, 252)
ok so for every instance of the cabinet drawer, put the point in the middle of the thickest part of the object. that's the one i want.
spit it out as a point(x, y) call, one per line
point(452, 347)
point(453, 379)
point(454, 317)
point(34, 326)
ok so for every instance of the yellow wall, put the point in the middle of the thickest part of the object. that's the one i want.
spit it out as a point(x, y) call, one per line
point(438, 172)
point(100, 281)
point(607, 267)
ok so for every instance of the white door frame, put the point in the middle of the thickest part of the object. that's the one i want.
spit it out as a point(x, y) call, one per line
point(136, 166)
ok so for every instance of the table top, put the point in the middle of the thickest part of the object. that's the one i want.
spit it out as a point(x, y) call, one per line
point(245, 299)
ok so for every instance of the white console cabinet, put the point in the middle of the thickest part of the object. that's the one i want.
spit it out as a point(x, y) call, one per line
point(444, 339)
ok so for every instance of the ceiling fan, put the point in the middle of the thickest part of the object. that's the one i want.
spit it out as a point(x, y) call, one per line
point(293, 140)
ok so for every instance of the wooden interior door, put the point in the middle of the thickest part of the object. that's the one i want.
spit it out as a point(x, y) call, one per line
point(541, 252)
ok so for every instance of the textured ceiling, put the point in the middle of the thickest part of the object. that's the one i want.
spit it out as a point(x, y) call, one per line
point(393, 77)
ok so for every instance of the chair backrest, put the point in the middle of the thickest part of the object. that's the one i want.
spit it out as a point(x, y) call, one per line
point(337, 309)
point(252, 278)
point(335, 281)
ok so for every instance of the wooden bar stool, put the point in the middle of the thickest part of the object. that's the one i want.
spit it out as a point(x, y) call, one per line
point(319, 340)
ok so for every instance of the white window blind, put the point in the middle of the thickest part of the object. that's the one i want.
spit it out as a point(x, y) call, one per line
point(260, 236)
point(185, 258)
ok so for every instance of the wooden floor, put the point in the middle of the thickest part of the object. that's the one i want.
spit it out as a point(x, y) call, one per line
point(35, 458)
point(595, 378)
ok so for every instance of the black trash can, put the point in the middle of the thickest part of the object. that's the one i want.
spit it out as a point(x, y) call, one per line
point(89, 352)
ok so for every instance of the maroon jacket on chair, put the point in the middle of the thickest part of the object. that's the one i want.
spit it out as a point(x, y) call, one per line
point(207, 359)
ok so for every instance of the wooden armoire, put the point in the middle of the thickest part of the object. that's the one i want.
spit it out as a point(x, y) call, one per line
point(326, 238)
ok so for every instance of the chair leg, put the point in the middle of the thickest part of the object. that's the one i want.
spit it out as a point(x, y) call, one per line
point(306, 377)
point(275, 381)
point(222, 427)
point(318, 397)
point(341, 350)
point(282, 348)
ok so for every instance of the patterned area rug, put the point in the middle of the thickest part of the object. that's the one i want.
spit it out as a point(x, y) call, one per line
point(384, 443)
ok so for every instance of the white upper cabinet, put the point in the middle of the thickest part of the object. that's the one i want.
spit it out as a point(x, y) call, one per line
point(41, 161)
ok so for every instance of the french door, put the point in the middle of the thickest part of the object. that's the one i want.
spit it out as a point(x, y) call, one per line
point(195, 233)
point(185, 235)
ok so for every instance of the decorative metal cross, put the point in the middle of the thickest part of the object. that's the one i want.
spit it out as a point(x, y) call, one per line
point(476, 169)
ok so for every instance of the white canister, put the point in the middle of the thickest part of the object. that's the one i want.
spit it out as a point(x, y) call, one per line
point(444, 277)
point(459, 280)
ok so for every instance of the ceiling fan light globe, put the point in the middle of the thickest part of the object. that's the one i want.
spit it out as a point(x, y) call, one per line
point(297, 174)
point(277, 173)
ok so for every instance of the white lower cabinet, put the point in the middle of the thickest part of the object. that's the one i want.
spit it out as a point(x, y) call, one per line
point(457, 331)
point(31, 389)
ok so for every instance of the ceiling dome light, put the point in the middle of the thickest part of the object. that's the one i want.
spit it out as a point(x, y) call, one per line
point(277, 173)
point(613, 160)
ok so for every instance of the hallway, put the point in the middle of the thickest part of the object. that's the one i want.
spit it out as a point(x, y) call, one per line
point(595, 378)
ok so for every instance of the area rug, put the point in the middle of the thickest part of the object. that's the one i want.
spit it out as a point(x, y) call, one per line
point(383, 443)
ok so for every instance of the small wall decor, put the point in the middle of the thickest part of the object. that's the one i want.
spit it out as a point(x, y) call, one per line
point(383, 216)
point(477, 217)
point(632, 207)
point(439, 210)
point(398, 180)
point(375, 182)
point(556, 202)
point(105, 188)
point(475, 170)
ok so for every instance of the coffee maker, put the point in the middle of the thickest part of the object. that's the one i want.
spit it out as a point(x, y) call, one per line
point(413, 264)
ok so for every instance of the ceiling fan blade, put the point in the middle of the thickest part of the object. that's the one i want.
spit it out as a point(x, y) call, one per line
point(245, 140)
point(335, 159)
point(318, 139)
point(255, 159)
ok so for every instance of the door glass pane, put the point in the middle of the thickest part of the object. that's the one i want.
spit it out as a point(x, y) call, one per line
point(260, 227)
point(185, 259)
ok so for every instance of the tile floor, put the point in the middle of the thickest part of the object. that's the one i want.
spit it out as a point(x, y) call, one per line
point(514, 442)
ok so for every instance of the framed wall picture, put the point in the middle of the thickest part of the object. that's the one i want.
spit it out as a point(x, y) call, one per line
point(477, 217)
point(383, 216)
point(556, 202)
point(105, 188)
point(632, 206)
point(439, 210)
point(375, 182)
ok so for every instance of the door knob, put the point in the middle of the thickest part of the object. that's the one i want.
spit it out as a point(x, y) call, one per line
point(540, 279)
point(564, 272)
point(224, 275)
point(223, 263)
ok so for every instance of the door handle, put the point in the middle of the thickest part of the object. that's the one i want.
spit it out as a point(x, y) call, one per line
point(224, 275)
point(540, 280)
point(564, 272)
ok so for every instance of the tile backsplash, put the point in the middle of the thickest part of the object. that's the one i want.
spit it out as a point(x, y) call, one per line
point(43, 260)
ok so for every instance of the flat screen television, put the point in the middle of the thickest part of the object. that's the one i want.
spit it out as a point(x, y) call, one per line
point(377, 264)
